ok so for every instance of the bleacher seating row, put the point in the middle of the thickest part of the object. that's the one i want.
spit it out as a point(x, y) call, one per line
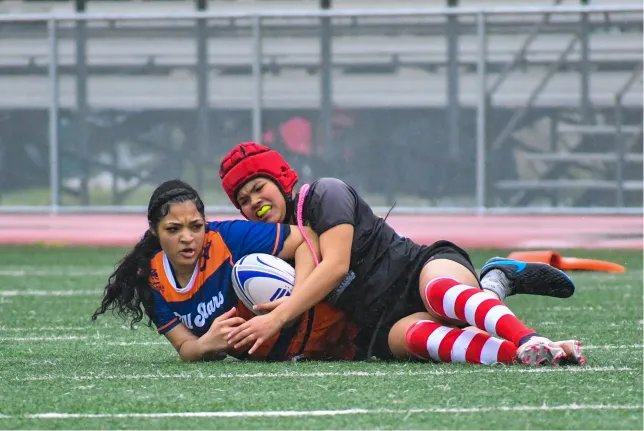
point(378, 62)
point(391, 70)
point(403, 89)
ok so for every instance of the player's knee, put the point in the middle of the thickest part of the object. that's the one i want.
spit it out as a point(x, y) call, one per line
point(447, 268)
point(398, 335)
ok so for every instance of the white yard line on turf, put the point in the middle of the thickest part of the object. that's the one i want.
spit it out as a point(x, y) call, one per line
point(569, 308)
point(99, 341)
point(55, 272)
point(305, 413)
point(103, 340)
point(47, 328)
point(440, 372)
point(52, 338)
point(31, 292)
point(613, 346)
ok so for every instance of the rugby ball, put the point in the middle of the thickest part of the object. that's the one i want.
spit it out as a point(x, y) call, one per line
point(259, 278)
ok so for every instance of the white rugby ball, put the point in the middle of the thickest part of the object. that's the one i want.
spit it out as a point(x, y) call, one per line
point(259, 278)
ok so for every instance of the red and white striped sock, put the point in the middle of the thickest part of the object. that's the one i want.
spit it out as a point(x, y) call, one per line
point(431, 340)
point(449, 298)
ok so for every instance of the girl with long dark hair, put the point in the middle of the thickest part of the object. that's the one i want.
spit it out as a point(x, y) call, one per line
point(179, 276)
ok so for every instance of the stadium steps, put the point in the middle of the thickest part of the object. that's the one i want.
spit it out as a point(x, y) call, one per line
point(582, 157)
point(568, 184)
point(130, 69)
point(566, 171)
point(403, 89)
point(597, 129)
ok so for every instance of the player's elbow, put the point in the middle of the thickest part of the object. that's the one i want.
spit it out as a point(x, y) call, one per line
point(194, 356)
point(189, 350)
point(206, 357)
point(188, 355)
point(336, 269)
point(186, 358)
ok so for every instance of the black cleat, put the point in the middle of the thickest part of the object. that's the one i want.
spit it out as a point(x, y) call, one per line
point(532, 278)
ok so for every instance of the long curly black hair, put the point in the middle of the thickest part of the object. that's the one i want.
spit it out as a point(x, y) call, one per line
point(128, 292)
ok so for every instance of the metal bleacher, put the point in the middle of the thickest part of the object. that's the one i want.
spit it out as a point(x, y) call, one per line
point(534, 61)
point(403, 57)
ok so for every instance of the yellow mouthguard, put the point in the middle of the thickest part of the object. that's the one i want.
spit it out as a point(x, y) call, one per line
point(263, 210)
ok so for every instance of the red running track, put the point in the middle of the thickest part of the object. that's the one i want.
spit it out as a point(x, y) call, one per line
point(468, 231)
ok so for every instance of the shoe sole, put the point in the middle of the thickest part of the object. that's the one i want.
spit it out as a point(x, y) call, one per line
point(540, 354)
point(543, 354)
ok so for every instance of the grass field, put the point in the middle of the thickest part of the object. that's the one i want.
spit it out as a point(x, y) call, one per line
point(59, 370)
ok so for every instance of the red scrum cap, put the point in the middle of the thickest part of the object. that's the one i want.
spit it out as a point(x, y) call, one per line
point(249, 160)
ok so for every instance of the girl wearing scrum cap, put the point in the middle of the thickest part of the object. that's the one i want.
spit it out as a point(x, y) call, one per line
point(406, 299)
point(179, 275)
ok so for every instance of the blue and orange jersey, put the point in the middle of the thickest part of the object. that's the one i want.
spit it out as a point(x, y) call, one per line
point(209, 292)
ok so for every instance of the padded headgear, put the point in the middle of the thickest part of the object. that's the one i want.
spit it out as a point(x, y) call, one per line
point(249, 160)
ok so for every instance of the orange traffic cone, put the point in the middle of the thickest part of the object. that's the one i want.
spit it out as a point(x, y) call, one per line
point(566, 263)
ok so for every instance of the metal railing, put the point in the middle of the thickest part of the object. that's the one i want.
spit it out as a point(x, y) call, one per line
point(321, 13)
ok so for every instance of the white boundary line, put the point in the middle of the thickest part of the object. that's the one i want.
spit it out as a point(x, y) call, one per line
point(103, 340)
point(310, 413)
point(60, 271)
point(97, 341)
point(612, 346)
point(33, 292)
point(48, 328)
point(440, 372)
point(52, 338)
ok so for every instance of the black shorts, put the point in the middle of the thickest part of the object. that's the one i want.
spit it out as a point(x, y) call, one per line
point(404, 298)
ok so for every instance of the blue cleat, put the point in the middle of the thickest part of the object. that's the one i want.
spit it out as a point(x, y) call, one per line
point(532, 278)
